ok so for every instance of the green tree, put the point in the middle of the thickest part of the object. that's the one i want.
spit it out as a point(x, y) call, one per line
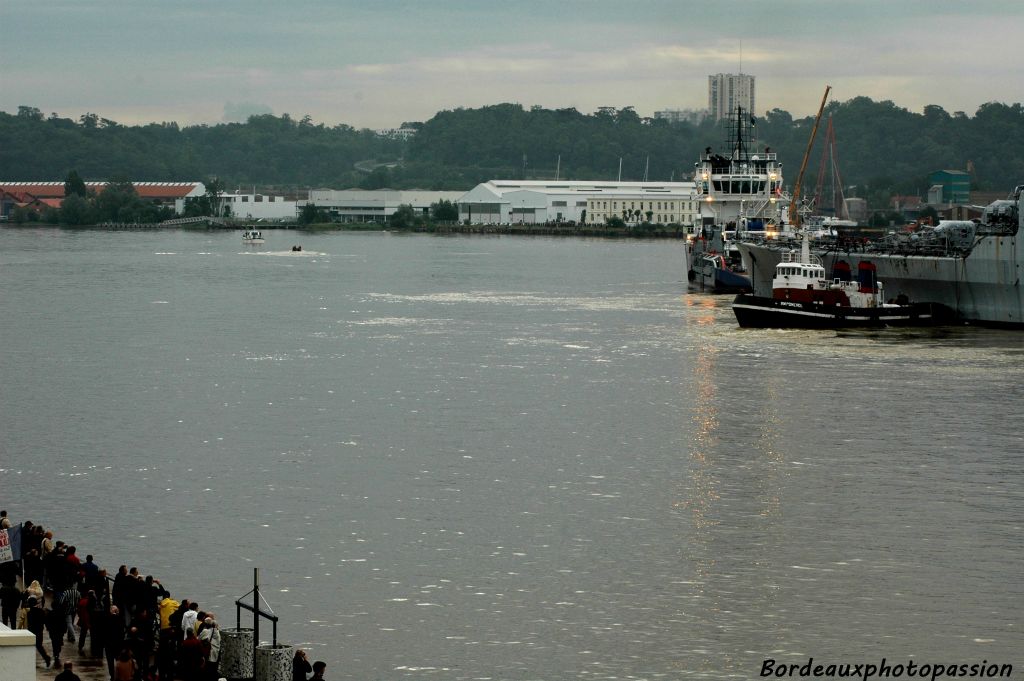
point(22, 214)
point(197, 206)
point(119, 202)
point(76, 210)
point(214, 189)
point(30, 112)
point(50, 215)
point(444, 211)
point(74, 185)
point(309, 214)
point(405, 218)
point(379, 178)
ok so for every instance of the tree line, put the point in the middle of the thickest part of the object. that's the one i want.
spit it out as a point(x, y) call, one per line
point(883, 149)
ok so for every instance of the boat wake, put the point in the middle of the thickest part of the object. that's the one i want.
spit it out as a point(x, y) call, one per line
point(287, 254)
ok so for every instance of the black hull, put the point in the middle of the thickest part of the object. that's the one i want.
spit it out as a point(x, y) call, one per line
point(767, 313)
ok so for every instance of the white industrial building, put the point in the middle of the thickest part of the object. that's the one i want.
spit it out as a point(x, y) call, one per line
point(539, 202)
point(377, 205)
point(258, 206)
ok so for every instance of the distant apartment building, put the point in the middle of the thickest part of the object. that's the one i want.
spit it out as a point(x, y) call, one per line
point(726, 91)
point(691, 116)
point(397, 133)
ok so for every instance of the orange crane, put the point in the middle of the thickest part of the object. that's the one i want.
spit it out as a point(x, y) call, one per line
point(794, 214)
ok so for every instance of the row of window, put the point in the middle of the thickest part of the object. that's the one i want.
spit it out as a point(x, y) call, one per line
point(259, 198)
point(812, 272)
point(741, 186)
point(660, 218)
point(661, 205)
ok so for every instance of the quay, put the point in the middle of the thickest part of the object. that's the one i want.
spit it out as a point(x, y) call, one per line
point(29, 556)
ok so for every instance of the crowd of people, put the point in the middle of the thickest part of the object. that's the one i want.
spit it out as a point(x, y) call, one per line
point(131, 620)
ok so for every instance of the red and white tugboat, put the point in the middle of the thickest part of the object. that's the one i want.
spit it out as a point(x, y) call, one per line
point(802, 298)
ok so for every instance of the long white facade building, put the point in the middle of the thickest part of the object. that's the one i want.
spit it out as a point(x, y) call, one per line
point(593, 203)
point(377, 205)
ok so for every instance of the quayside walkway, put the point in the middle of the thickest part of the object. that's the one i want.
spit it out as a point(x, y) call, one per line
point(88, 668)
point(128, 612)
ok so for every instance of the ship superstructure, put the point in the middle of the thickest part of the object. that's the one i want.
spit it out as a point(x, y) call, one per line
point(740, 189)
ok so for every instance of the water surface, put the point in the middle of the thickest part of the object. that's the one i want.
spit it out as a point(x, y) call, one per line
point(510, 458)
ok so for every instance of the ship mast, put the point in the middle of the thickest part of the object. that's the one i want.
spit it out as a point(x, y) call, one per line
point(794, 214)
point(830, 165)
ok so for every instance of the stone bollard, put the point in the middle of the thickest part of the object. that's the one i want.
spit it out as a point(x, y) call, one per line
point(235, 653)
point(274, 662)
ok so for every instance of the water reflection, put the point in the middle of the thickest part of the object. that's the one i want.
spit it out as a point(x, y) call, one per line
point(734, 494)
point(700, 491)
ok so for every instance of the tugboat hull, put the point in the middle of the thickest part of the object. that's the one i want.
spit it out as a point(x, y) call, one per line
point(767, 313)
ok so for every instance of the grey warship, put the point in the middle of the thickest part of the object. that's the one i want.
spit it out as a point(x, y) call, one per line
point(973, 268)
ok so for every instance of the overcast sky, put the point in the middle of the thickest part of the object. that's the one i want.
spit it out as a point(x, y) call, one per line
point(377, 63)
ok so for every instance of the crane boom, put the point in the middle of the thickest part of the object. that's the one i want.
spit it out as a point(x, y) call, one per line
point(794, 214)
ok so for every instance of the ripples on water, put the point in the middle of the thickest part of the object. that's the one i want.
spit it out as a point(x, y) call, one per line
point(474, 458)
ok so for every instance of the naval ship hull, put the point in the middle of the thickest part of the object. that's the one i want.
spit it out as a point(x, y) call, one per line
point(983, 287)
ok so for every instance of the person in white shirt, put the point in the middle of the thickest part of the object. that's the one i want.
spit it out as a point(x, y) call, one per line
point(188, 620)
point(210, 638)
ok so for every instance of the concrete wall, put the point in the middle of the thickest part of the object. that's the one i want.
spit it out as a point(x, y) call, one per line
point(17, 654)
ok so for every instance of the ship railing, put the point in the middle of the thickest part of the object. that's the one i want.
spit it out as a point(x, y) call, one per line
point(749, 156)
point(756, 210)
point(794, 256)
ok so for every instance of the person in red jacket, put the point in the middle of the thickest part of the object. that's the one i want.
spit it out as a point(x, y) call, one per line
point(192, 656)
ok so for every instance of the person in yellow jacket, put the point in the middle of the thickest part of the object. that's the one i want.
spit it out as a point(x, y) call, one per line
point(167, 607)
point(170, 637)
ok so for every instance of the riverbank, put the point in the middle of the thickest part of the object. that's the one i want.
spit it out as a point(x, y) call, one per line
point(590, 231)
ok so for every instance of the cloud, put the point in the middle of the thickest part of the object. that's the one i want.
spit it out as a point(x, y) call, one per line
point(239, 112)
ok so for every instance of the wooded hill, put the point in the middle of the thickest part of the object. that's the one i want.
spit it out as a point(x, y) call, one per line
point(883, 149)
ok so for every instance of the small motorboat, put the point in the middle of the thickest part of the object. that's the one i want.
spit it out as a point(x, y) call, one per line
point(252, 236)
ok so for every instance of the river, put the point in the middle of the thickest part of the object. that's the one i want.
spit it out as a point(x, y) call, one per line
point(510, 457)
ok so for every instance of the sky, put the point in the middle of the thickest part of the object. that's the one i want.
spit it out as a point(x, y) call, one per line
point(379, 63)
